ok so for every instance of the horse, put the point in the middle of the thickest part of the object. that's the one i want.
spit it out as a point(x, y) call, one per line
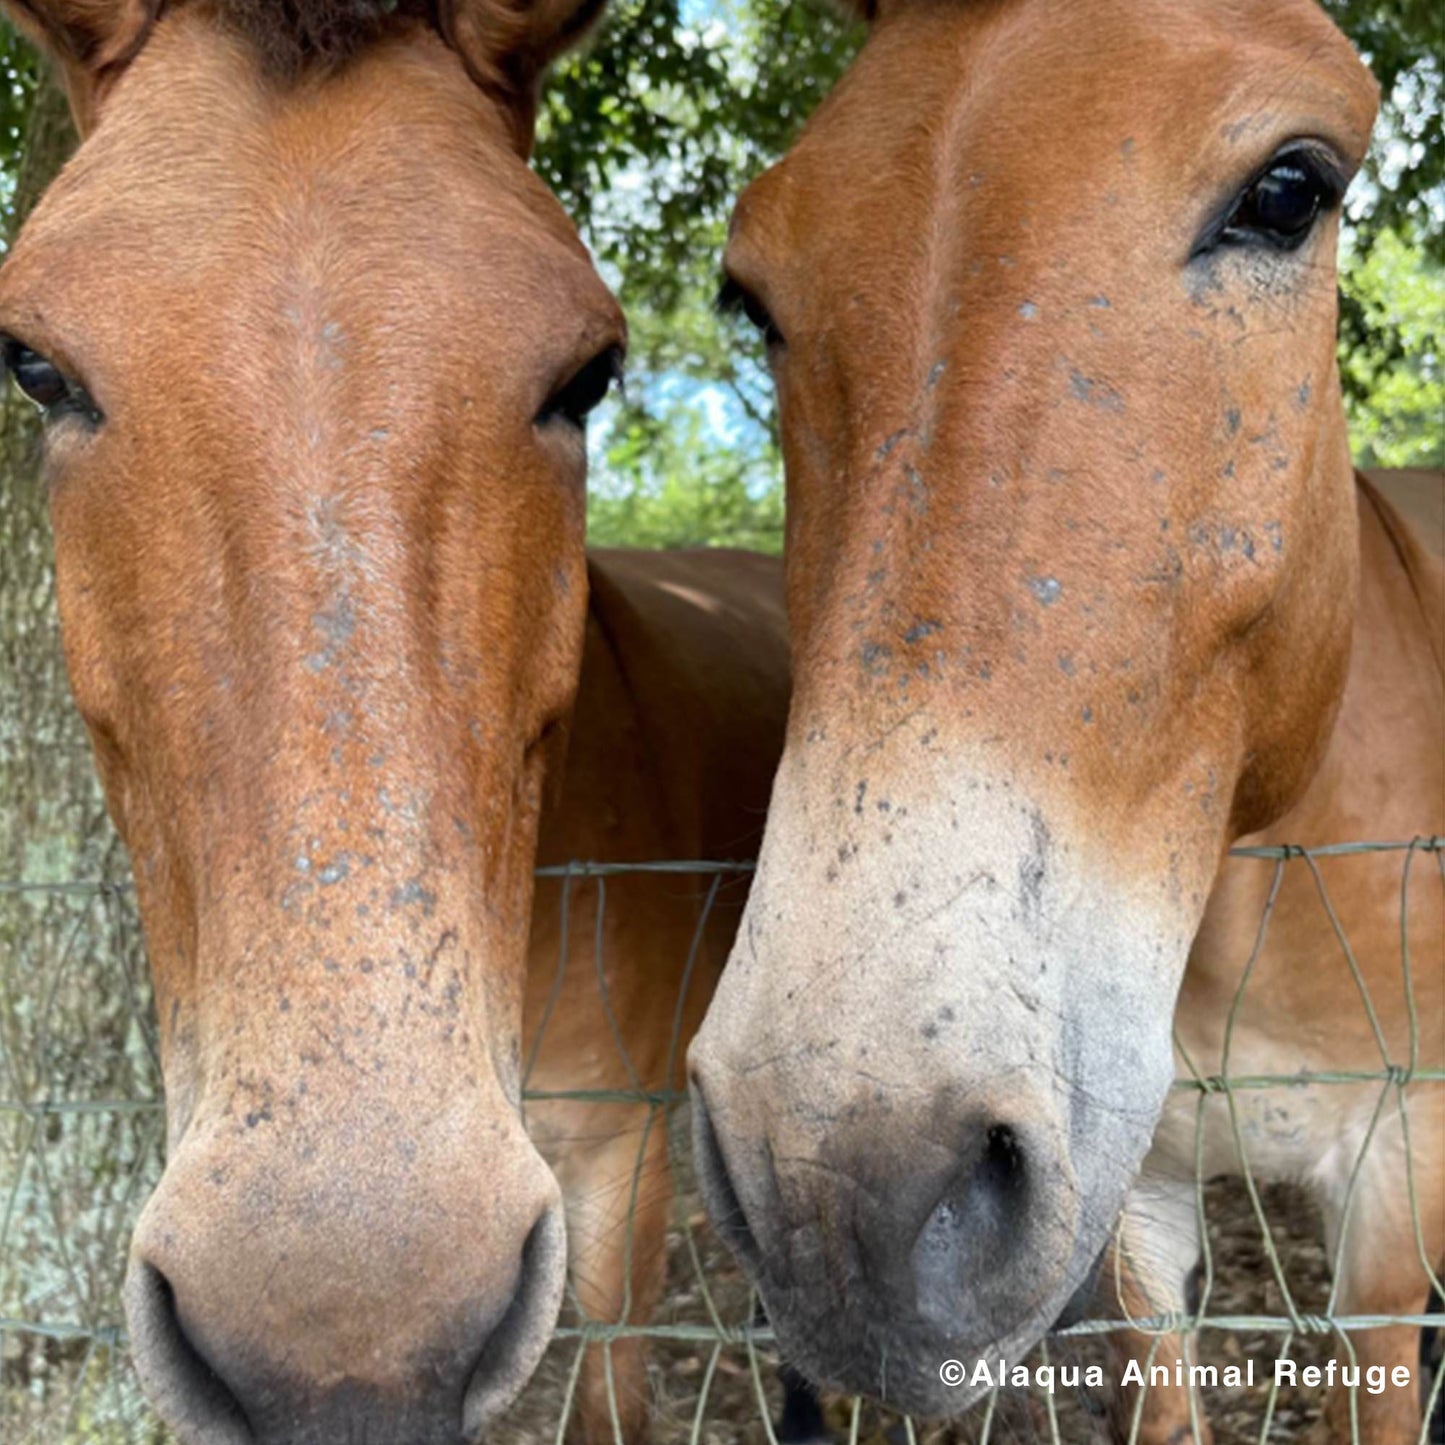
point(315, 349)
point(675, 736)
point(1083, 589)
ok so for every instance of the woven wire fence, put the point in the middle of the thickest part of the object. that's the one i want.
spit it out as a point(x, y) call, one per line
point(83, 1128)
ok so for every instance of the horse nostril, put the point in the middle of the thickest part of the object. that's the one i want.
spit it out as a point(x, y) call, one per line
point(517, 1341)
point(182, 1382)
point(978, 1226)
point(716, 1184)
point(985, 1205)
point(999, 1180)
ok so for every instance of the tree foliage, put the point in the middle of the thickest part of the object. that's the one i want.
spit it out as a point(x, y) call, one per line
point(1394, 382)
point(1403, 41)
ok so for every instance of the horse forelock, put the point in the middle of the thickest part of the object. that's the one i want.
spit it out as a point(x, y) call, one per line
point(290, 37)
point(502, 43)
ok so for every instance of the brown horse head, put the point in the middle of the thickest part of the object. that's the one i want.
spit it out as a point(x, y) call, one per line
point(314, 348)
point(1049, 292)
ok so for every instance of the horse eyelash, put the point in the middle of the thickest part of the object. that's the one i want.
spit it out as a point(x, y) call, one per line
point(730, 298)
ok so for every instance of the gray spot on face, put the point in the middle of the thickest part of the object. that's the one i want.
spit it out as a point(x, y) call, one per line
point(924, 627)
point(337, 623)
point(1046, 589)
point(1093, 392)
point(918, 488)
point(875, 657)
point(407, 894)
point(1034, 867)
point(1028, 310)
point(1204, 282)
point(337, 626)
point(334, 872)
point(1222, 539)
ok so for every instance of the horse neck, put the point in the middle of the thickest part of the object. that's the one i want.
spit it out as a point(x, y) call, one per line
point(1382, 772)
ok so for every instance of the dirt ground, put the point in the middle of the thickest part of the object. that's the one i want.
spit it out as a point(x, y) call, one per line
point(1244, 1284)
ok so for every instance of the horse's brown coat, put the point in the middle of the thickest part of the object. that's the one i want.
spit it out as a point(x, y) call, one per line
point(319, 555)
point(1077, 566)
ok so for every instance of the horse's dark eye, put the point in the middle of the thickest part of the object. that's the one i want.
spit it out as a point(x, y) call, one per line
point(41, 380)
point(761, 318)
point(1282, 205)
point(734, 300)
point(572, 402)
point(46, 385)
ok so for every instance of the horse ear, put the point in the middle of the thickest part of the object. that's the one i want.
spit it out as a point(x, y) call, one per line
point(507, 44)
point(91, 41)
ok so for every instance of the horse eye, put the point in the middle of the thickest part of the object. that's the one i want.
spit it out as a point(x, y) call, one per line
point(585, 391)
point(41, 380)
point(46, 385)
point(1281, 206)
point(734, 300)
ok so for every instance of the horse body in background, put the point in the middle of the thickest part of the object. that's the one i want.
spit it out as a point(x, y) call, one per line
point(1303, 1012)
point(1082, 589)
point(315, 350)
point(671, 753)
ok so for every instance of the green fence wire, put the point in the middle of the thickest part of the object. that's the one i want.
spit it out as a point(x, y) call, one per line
point(83, 1129)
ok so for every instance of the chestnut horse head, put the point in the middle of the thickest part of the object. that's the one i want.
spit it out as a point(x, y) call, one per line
point(1049, 293)
point(314, 348)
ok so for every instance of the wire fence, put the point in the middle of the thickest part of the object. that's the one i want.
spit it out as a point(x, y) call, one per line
point(82, 1120)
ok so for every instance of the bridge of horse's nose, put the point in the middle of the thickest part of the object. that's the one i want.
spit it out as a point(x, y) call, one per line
point(272, 1299)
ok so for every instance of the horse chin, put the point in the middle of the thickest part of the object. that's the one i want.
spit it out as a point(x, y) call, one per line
point(1080, 1304)
point(902, 1366)
point(903, 1363)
